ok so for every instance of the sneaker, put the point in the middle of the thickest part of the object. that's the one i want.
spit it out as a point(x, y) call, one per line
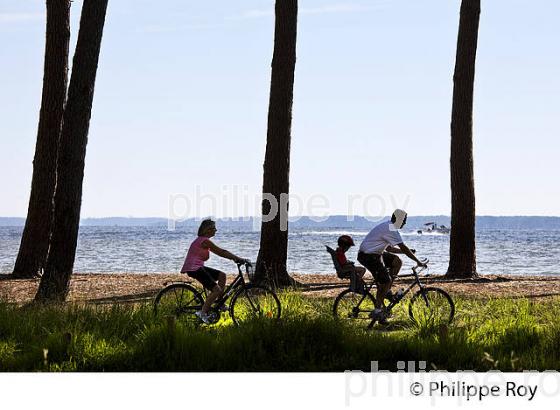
point(224, 308)
point(383, 321)
point(376, 314)
point(389, 296)
point(379, 315)
point(202, 316)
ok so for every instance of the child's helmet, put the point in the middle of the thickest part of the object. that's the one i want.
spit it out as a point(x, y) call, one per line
point(345, 240)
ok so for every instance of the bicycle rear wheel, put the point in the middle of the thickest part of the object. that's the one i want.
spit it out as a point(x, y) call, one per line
point(254, 301)
point(431, 306)
point(180, 300)
point(352, 305)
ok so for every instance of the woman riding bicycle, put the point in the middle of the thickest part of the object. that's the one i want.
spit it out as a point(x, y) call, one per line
point(212, 279)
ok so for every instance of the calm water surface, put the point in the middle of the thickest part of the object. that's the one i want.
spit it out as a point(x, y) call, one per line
point(155, 249)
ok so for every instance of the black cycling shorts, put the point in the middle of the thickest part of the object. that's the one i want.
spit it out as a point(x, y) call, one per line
point(376, 266)
point(206, 276)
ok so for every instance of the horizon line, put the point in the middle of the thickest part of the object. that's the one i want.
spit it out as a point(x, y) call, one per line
point(240, 217)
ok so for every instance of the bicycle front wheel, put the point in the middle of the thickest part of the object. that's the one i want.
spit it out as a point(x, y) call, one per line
point(254, 301)
point(180, 300)
point(352, 305)
point(431, 306)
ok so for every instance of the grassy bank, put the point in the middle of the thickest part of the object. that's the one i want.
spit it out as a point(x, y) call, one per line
point(505, 334)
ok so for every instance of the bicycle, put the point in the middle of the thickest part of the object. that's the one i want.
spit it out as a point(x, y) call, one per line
point(429, 305)
point(182, 300)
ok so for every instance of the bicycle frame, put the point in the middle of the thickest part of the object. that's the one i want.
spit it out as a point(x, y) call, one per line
point(229, 290)
point(391, 305)
point(416, 282)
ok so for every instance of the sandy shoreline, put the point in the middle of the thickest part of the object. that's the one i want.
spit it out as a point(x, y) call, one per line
point(133, 287)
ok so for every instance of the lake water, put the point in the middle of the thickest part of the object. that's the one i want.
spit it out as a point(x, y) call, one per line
point(103, 249)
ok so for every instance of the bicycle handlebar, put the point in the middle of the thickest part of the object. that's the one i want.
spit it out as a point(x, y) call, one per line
point(420, 269)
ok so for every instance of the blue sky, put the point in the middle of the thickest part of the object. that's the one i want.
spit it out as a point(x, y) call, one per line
point(182, 91)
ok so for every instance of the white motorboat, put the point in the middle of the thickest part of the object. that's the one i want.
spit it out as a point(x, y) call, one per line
point(432, 227)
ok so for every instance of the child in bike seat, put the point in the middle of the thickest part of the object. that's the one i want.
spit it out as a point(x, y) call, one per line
point(344, 243)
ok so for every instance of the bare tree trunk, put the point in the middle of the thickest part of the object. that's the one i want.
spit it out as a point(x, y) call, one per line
point(35, 240)
point(273, 252)
point(71, 158)
point(462, 252)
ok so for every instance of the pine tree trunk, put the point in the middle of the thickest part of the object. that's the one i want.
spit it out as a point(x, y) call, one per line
point(273, 252)
point(71, 158)
point(462, 252)
point(35, 240)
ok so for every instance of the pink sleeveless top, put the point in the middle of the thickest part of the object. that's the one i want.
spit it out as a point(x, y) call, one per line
point(196, 256)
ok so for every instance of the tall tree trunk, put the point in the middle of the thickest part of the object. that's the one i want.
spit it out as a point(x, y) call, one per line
point(273, 252)
point(71, 157)
point(35, 240)
point(462, 252)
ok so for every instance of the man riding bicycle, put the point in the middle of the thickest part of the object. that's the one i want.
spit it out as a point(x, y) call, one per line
point(377, 254)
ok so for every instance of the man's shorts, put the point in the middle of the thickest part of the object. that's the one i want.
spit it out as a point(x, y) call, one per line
point(206, 276)
point(377, 266)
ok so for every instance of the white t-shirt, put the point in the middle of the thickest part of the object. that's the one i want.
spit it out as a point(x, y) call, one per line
point(377, 240)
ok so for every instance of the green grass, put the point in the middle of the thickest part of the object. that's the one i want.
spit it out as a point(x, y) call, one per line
point(504, 334)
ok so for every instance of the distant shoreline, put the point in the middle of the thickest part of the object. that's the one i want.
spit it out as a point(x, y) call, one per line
point(334, 221)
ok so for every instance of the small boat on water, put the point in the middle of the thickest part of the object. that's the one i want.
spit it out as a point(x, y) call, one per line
point(432, 227)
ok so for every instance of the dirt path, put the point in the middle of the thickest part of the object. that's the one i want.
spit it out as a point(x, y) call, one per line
point(109, 288)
